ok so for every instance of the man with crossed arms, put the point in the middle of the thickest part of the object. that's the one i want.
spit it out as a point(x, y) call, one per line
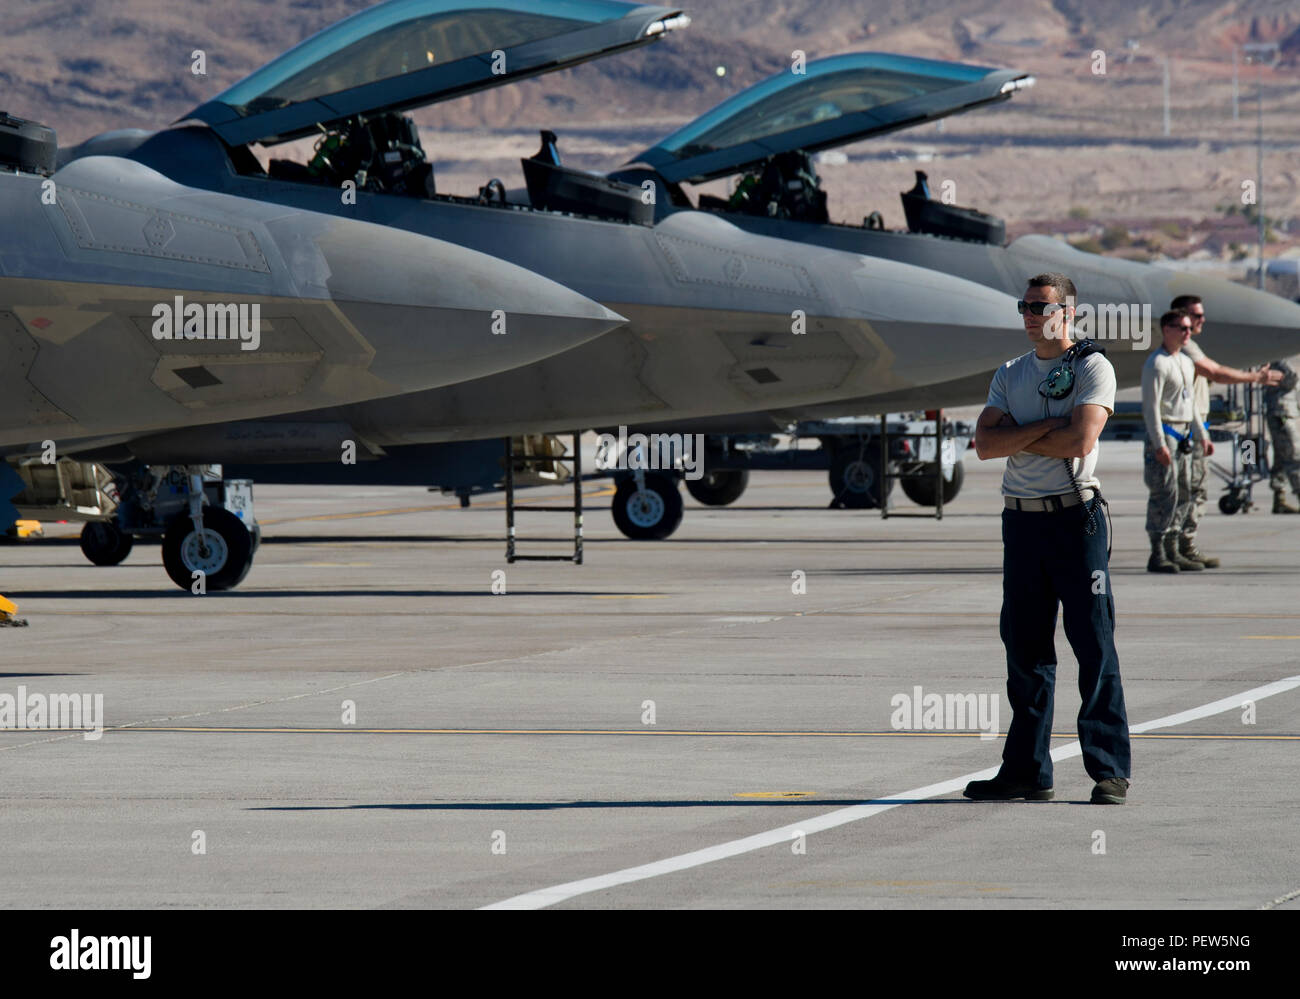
point(1045, 412)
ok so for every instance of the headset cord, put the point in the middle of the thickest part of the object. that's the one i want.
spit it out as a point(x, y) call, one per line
point(1091, 527)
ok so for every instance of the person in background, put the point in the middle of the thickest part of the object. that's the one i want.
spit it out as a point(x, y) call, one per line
point(1172, 423)
point(1282, 413)
point(1207, 370)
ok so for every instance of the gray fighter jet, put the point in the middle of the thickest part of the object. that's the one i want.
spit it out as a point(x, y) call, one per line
point(765, 137)
point(130, 304)
point(719, 320)
point(722, 319)
point(767, 133)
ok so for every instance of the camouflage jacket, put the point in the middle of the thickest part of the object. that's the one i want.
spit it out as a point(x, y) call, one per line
point(1283, 400)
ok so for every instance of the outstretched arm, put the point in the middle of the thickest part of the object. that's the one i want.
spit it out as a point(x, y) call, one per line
point(997, 435)
point(1224, 375)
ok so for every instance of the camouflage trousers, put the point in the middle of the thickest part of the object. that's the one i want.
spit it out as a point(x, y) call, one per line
point(1170, 489)
point(1199, 494)
point(1286, 452)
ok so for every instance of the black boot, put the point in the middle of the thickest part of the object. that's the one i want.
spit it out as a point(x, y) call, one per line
point(1159, 560)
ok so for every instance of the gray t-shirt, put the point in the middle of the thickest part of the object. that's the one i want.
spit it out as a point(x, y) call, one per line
point(1167, 396)
point(1015, 391)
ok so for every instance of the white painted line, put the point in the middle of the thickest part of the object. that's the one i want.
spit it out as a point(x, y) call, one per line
point(561, 893)
point(1281, 900)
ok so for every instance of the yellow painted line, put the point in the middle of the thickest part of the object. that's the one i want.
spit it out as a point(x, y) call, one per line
point(684, 612)
point(775, 794)
point(233, 730)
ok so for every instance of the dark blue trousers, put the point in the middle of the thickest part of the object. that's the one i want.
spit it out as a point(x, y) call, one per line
point(1049, 560)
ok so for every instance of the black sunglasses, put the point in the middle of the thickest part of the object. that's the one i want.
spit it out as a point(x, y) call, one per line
point(1038, 308)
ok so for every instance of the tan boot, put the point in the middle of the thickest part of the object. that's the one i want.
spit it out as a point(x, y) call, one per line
point(1171, 551)
point(1280, 505)
point(1187, 548)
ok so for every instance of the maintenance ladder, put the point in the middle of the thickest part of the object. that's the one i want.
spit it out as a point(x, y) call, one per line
point(511, 458)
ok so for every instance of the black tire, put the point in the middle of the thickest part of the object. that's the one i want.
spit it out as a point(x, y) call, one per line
point(920, 490)
point(719, 488)
point(104, 544)
point(230, 547)
point(649, 515)
point(855, 476)
point(1230, 503)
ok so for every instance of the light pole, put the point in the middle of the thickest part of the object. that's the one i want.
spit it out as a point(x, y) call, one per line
point(1166, 118)
point(1259, 53)
point(1234, 83)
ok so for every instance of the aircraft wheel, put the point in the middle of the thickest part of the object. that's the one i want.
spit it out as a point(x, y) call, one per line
point(920, 490)
point(224, 553)
point(104, 543)
point(1230, 503)
point(649, 514)
point(855, 477)
point(719, 488)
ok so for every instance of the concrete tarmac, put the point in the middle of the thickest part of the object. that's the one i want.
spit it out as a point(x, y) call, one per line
point(363, 723)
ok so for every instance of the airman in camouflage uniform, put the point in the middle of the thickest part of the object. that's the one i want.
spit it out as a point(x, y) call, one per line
point(1282, 409)
point(1173, 424)
point(1207, 370)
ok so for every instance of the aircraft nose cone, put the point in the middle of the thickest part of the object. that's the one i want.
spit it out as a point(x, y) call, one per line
point(1243, 326)
point(435, 313)
point(937, 327)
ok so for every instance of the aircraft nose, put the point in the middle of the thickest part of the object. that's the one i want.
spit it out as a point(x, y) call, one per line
point(937, 327)
point(434, 313)
point(1243, 327)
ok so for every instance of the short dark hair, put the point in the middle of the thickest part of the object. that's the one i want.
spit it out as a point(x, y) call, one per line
point(1062, 285)
point(1173, 317)
point(1185, 301)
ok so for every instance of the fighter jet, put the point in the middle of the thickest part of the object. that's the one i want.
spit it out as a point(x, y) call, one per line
point(130, 304)
point(722, 319)
point(766, 136)
point(719, 320)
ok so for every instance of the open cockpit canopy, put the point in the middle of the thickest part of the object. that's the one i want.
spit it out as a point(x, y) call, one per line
point(835, 101)
point(407, 53)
